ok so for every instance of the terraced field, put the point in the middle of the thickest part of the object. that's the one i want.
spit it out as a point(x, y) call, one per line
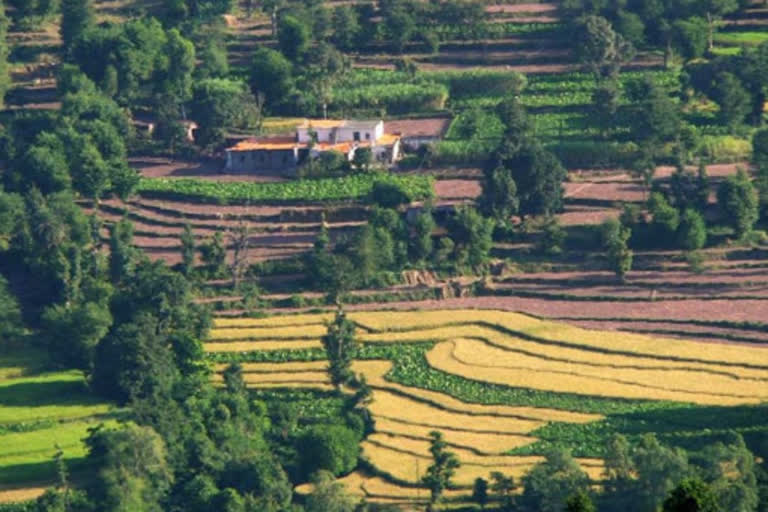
point(498, 384)
point(41, 412)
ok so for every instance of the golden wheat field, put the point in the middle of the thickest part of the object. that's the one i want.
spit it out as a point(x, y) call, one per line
point(501, 348)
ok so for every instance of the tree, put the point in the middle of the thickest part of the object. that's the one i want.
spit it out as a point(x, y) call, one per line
point(734, 100)
point(605, 105)
point(332, 448)
point(738, 202)
point(271, 75)
point(420, 243)
point(187, 239)
point(440, 473)
point(513, 114)
point(346, 27)
point(76, 17)
point(731, 470)
point(580, 502)
point(657, 469)
point(600, 49)
point(619, 472)
point(690, 37)
point(666, 219)
point(503, 487)
point(550, 483)
point(133, 362)
point(692, 495)
point(656, 116)
point(341, 348)
point(5, 77)
point(133, 473)
point(760, 149)
point(240, 239)
point(538, 177)
point(499, 193)
point(214, 254)
point(213, 59)
point(480, 492)
point(615, 237)
point(715, 10)
point(122, 253)
point(472, 236)
point(73, 332)
point(219, 104)
point(294, 37)
point(692, 232)
point(362, 159)
point(10, 314)
point(328, 496)
point(45, 168)
point(552, 237)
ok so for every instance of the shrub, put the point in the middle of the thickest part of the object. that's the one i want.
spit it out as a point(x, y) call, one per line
point(332, 448)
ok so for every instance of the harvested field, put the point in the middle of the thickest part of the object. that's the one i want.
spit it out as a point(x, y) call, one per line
point(394, 406)
point(289, 332)
point(475, 360)
point(375, 372)
point(499, 348)
point(250, 346)
point(691, 309)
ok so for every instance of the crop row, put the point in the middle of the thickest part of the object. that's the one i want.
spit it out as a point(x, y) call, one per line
point(329, 189)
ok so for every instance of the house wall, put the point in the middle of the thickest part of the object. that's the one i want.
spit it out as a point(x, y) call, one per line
point(373, 130)
point(262, 160)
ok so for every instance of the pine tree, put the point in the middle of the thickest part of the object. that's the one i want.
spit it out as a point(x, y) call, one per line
point(76, 18)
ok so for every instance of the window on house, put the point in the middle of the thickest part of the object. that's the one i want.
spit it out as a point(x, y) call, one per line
point(367, 136)
point(356, 136)
point(242, 159)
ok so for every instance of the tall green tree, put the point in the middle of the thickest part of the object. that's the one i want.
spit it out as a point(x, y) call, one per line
point(122, 254)
point(439, 474)
point(738, 203)
point(76, 17)
point(615, 237)
point(734, 100)
point(341, 348)
point(294, 37)
point(538, 179)
point(133, 473)
point(550, 483)
point(272, 76)
point(601, 50)
point(187, 250)
point(692, 232)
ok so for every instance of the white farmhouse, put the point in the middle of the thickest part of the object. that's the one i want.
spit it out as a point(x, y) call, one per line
point(284, 154)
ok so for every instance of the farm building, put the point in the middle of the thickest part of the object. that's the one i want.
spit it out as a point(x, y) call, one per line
point(415, 133)
point(284, 154)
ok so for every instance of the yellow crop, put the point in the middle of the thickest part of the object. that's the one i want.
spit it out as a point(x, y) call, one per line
point(291, 332)
point(251, 346)
point(559, 377)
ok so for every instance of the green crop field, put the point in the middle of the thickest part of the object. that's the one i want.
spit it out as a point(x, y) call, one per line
point(328, 189)
point(42, 412)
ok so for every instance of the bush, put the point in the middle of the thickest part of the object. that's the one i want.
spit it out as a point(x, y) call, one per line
point(725, 148)
point(389, 195)
point(332, 448)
